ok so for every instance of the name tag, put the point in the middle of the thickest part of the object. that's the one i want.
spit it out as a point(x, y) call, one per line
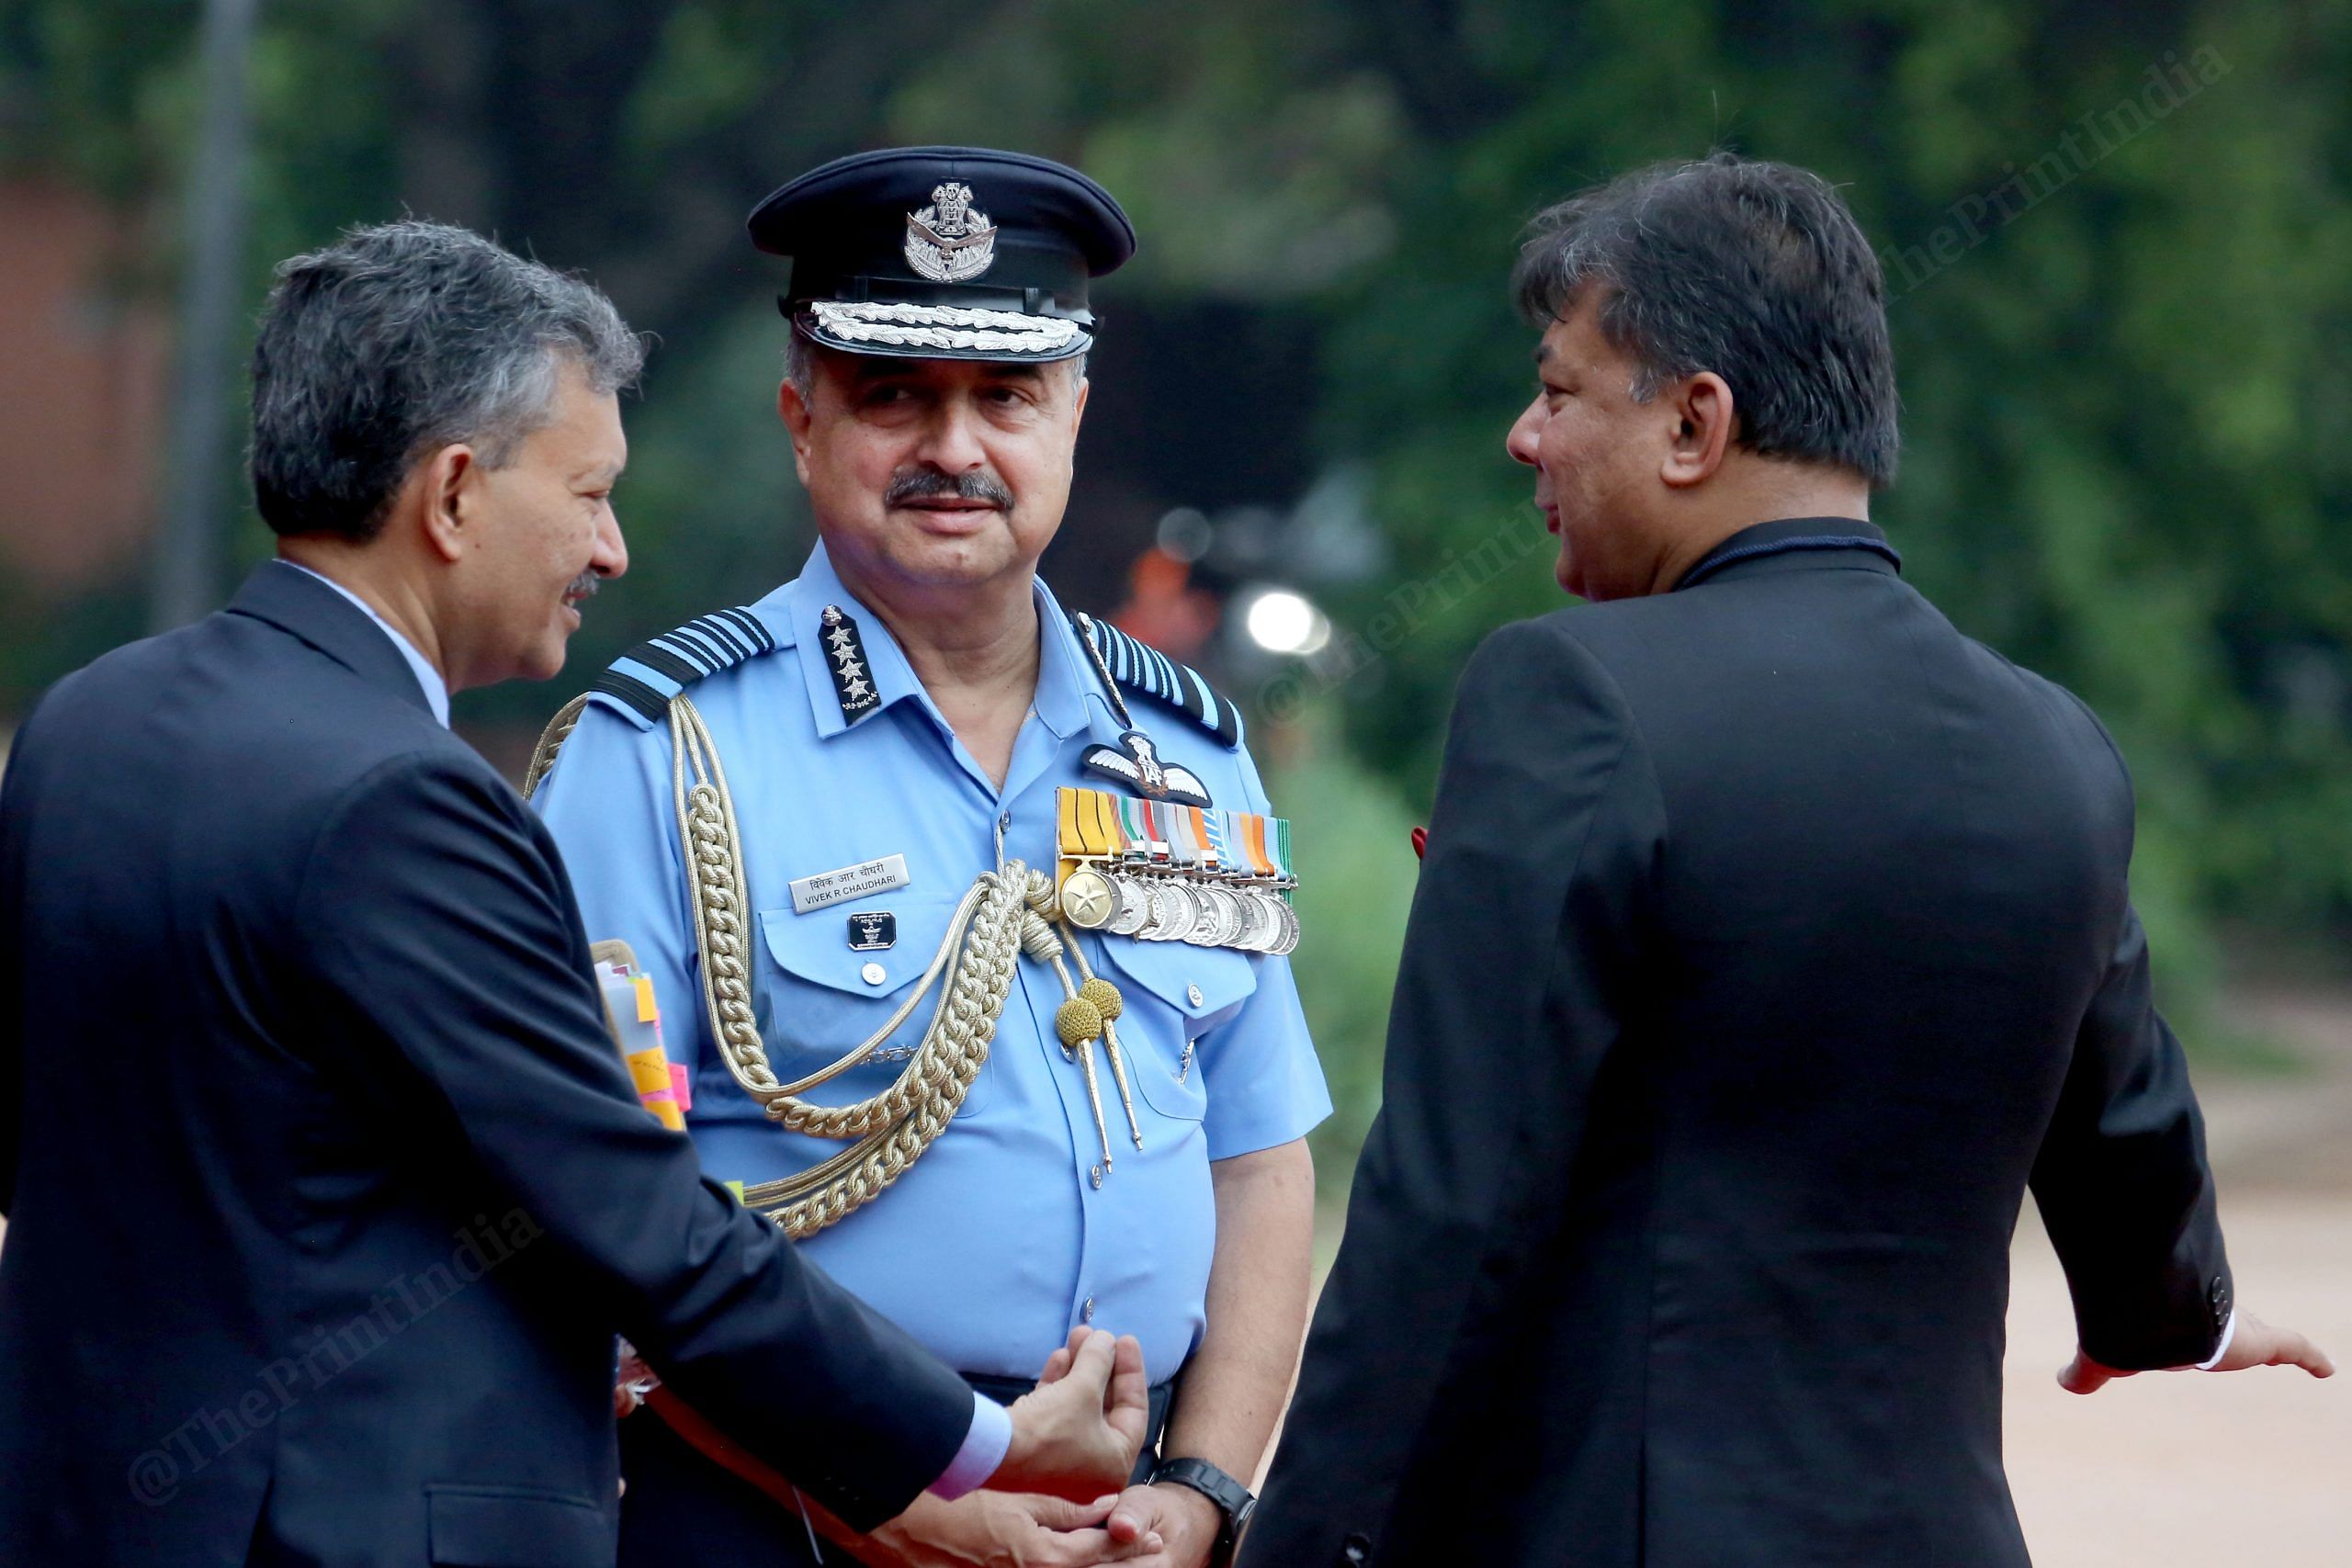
point(850, 882)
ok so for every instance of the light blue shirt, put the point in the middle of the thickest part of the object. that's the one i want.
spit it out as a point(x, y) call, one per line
point(437, 690)
point(1000, 1239)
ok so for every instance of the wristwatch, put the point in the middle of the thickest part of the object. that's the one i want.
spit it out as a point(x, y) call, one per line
point(1233, 1500)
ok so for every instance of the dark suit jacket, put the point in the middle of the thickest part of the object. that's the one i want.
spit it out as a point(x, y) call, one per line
point(326, 1189)
point(1772, 938)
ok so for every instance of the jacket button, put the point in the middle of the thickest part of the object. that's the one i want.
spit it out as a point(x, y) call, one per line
point(1192, 994)
point(1356, 1549)
point(873, 974)
point(1086, 1313)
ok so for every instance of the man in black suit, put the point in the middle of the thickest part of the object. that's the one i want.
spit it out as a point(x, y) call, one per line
point(327, 1190)
point(1773, 940)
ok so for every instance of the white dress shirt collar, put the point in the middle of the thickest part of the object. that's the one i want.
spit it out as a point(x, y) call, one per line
point(437, 690)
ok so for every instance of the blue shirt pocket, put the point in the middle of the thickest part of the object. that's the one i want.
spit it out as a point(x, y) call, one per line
point(1174, 993)
point(819, 997)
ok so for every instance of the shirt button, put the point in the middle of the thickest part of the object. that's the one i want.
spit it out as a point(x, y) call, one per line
point(873, 974)
point(1192, 994)
point(1086, 1313)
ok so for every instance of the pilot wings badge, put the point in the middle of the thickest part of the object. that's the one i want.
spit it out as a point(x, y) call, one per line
point(1135, 762)
point(950, 241)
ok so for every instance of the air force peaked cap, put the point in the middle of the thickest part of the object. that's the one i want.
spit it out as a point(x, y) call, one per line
point(945, 253)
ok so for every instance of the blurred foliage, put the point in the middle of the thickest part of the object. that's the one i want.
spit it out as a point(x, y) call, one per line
point(1355, 832)
point(2128, 379)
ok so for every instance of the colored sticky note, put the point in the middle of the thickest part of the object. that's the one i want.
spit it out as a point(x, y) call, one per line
point(649, 1071)
point(681, 1086)
point(736, 1188)
point(645, 1009)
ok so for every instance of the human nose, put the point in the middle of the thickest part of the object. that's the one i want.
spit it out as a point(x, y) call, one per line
point(1525, 440)
point(611, 557)
point(951, 440)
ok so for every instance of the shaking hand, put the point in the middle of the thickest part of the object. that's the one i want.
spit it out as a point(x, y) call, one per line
point(1076, 1435)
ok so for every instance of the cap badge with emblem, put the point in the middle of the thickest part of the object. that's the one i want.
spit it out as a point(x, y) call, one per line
point(878, 270)
point(950, 241)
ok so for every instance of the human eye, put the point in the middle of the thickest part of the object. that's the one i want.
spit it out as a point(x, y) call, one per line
point(1010, 397)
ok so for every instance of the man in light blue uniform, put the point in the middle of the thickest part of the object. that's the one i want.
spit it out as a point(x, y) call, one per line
point(893, 723)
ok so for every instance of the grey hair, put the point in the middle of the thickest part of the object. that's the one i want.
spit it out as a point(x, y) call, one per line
point(403, 338)
point(800, 366)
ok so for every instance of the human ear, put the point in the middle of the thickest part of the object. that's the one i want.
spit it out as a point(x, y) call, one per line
point(1703, 415)
point(793, 409)
point(449, 498)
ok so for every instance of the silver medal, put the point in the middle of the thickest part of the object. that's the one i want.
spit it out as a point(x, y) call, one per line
point(1289, 937)
point(1134, 906)
point(1259, 926)
point(1220, 919)
point(1173, 912)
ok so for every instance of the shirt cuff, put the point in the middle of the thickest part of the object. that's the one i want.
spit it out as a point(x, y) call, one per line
point(2228, 1332)
point(983, 1452)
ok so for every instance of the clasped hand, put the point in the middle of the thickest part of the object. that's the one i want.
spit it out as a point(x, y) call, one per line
point(1081, 1428)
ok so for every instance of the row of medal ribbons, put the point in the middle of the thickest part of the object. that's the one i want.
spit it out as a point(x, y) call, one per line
point(1160, 872)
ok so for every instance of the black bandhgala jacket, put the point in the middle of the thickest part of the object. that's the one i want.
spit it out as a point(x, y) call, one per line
point(1773, 939)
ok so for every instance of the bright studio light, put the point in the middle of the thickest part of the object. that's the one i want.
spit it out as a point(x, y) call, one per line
point(1281, 622)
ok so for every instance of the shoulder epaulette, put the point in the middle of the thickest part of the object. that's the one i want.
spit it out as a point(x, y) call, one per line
point(1143, 669)
point(641, 681)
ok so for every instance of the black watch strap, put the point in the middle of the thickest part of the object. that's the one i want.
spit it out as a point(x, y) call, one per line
point(1233, 1500)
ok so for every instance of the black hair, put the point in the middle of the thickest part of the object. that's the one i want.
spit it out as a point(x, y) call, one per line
point(1753, 270)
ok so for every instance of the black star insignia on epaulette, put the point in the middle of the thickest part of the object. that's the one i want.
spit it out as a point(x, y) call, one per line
point(845, 656)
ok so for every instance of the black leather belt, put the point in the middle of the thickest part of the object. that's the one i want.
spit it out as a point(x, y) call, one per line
point(1004, 1391)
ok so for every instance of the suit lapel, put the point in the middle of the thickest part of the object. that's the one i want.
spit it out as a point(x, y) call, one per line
point(296, 603)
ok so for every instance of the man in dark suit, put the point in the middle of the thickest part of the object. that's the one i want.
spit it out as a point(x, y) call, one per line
point(327, 1190)
point(1773, 939)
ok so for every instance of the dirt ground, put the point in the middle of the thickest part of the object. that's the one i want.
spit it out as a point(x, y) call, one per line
point(2253, 1470)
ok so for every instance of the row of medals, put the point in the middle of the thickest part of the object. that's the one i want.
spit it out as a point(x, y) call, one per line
point(1176, 909)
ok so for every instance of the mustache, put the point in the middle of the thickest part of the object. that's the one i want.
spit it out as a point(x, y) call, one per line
point(584, 586)
point(924, 484)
